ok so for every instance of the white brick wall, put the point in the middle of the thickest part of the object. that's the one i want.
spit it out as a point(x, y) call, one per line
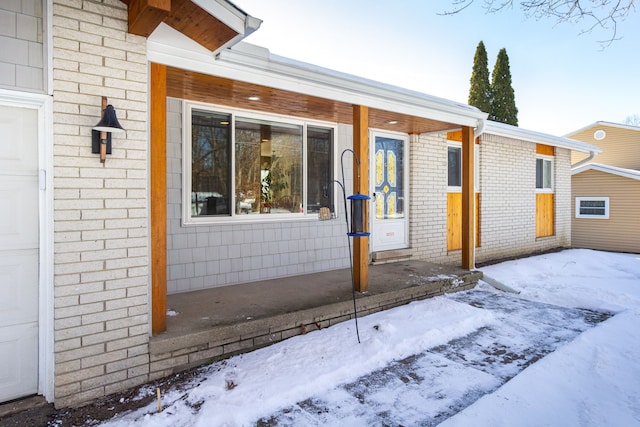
point(428, 206)
point(507, 192)
point(22, 53)
point(100, 221)
point(508, 199)
point(206, 256)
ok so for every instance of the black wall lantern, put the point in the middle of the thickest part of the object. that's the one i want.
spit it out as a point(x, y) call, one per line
point(101, 133)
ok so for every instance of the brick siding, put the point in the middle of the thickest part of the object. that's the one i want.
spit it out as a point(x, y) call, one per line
point(507, 199)
point(101, 329)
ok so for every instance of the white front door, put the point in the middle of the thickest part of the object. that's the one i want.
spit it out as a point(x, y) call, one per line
point(390, 191)
point(19, 252)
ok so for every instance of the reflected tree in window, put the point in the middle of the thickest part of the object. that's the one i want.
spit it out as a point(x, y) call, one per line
point(269, 165)
point(319, 165)
point(210, 168)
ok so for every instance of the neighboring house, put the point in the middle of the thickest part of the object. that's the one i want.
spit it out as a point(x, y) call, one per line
point(606, 204)
point(219, 180)
point(620, 145)
point(606, 194)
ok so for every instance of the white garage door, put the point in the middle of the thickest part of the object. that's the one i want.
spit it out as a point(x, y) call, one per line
point(18, 252)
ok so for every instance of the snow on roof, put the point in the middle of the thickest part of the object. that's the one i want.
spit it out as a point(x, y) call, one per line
point(503, 129)
point(626, 173)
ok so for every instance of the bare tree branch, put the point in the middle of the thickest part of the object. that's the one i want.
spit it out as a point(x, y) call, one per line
point(602, 14)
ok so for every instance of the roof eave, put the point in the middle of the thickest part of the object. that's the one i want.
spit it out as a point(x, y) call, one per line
point(231, 15)
point(256, 65)
point(515, 132)
point(626, 173)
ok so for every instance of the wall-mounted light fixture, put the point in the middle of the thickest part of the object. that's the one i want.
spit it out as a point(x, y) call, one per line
point(101, 133)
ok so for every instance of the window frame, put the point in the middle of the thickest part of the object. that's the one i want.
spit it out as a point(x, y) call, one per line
point(235, 113)
point(607, 207)
point(550, 160)
point(476, 169)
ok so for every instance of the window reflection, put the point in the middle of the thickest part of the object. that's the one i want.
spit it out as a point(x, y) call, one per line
point(210, 168)
point(265, 173)
point(268, 168)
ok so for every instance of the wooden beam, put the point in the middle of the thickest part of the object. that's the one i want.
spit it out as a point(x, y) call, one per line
point(199, 25)
point(146, 15)
point(361, 185)
point(158, 188)
point(468, 199)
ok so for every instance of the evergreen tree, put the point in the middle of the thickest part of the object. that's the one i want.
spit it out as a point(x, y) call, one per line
point(480, 91)
point(503, 101)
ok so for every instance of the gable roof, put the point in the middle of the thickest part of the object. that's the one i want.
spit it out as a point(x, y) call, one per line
point(603, 123)
point(509, 131)
point(626, 173)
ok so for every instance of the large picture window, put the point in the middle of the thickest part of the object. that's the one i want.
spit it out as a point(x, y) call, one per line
point(242, 164)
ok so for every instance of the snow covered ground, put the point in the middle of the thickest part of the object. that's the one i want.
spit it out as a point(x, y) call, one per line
point(543, 357)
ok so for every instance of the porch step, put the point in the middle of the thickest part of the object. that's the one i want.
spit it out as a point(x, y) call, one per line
point(391, 256)
point(183, 349)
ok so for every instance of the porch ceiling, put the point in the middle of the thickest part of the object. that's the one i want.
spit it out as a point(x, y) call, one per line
point(217, 90)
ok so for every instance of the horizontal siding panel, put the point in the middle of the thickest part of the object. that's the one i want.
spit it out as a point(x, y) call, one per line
point(620, 147)
point(621, 232)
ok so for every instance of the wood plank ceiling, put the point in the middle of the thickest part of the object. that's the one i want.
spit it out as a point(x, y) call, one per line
point(217, 90)
point(183, 15)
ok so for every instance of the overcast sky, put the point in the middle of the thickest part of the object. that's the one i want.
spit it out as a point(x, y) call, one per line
point(563, 80)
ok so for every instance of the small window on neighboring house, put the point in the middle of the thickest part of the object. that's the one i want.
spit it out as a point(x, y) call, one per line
point(544, 174)
point(592, 207)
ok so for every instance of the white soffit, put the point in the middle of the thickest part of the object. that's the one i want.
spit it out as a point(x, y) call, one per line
point(167, 36)
point(509, 131)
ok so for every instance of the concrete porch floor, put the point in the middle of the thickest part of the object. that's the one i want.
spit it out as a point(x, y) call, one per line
point(215, 323)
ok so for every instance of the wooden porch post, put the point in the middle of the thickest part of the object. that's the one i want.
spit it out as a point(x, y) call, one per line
point(158, 184)
point(361, 185)
point(468, 199)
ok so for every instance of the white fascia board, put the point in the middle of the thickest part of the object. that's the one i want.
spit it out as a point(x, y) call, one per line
point(502, 129)
point(230, 15)
point(626, 173)
point(253, 64)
